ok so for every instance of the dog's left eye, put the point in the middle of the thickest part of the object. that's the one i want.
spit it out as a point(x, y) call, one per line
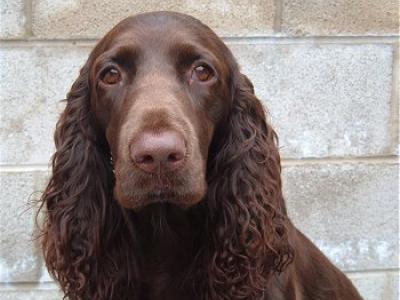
point(111, 76)
point(202, 73)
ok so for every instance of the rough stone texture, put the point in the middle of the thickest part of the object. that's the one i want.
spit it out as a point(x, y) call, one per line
point(88, 19)
point(340, 17)
point(377, 286)
point(19, 255)
point(373, 286)
point(325, 99)
point(12, 19)
point(30, 93)
point(33, 293)
point(349, 210)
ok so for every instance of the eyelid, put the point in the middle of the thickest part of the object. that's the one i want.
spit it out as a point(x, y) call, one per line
point(201, 62)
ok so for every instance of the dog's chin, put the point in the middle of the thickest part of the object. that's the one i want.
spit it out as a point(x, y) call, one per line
point(138, 202)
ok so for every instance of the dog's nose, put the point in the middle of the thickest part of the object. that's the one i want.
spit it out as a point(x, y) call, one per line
point(158, 152)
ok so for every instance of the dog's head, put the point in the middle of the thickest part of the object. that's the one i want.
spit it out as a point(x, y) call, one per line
point(161, 113)
point(160, 84)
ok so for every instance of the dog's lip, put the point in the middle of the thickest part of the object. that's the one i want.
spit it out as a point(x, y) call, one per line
point(160, 196)
point(162, 193)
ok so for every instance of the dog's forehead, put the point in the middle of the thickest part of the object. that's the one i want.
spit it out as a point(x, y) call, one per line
point(148, 38)
point(167, 37)
point(159, 28)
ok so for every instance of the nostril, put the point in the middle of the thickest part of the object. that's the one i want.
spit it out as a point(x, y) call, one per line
point(174, 157)
point(144, 159)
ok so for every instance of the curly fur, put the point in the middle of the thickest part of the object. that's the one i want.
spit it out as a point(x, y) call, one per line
point(238, 243)
point(246, 204)
point(87, 237)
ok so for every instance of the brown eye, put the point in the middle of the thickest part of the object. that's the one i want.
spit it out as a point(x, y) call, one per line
point(202, 73)
point(111, 76)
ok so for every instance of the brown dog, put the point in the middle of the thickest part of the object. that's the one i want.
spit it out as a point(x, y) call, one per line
point(166, 181)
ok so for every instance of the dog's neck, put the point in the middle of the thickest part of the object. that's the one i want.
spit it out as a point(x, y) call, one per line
point(170, 239)
point(163, 227)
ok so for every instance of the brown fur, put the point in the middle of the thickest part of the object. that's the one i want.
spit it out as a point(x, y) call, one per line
point(215, 229)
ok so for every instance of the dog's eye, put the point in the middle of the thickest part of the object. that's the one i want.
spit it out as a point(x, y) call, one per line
point(111, 76)
point(202, 73)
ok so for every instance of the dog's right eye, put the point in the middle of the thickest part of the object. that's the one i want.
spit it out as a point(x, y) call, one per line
point(202, 73)
point(111, 76)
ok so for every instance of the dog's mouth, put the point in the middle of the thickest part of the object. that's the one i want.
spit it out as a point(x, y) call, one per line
point(135, 190)
point(161, 199)
point(157, 193)
point(161, 195)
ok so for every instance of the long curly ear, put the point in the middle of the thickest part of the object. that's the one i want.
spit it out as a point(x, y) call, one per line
point(245, 202)
point(86, 237)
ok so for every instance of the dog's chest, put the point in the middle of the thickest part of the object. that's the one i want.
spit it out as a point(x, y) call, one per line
point(165, 280)
point(161, 285)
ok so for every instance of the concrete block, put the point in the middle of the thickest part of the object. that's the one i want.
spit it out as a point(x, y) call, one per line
point(324, 99)
point(20, 257)
point(377, 285)
point(372, 286)
point(12, 19)
point(92, 19)
point(340, 17)
point(30, 291)
point(349, 210)
point(33, 83)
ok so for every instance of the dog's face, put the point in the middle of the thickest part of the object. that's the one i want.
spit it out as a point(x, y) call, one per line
point(160, 85)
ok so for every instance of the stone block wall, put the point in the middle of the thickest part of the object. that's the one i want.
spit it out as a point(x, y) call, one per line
point(328, 71)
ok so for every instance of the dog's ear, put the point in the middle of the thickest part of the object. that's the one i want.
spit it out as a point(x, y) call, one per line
point(249, 217)
point(87, 242)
